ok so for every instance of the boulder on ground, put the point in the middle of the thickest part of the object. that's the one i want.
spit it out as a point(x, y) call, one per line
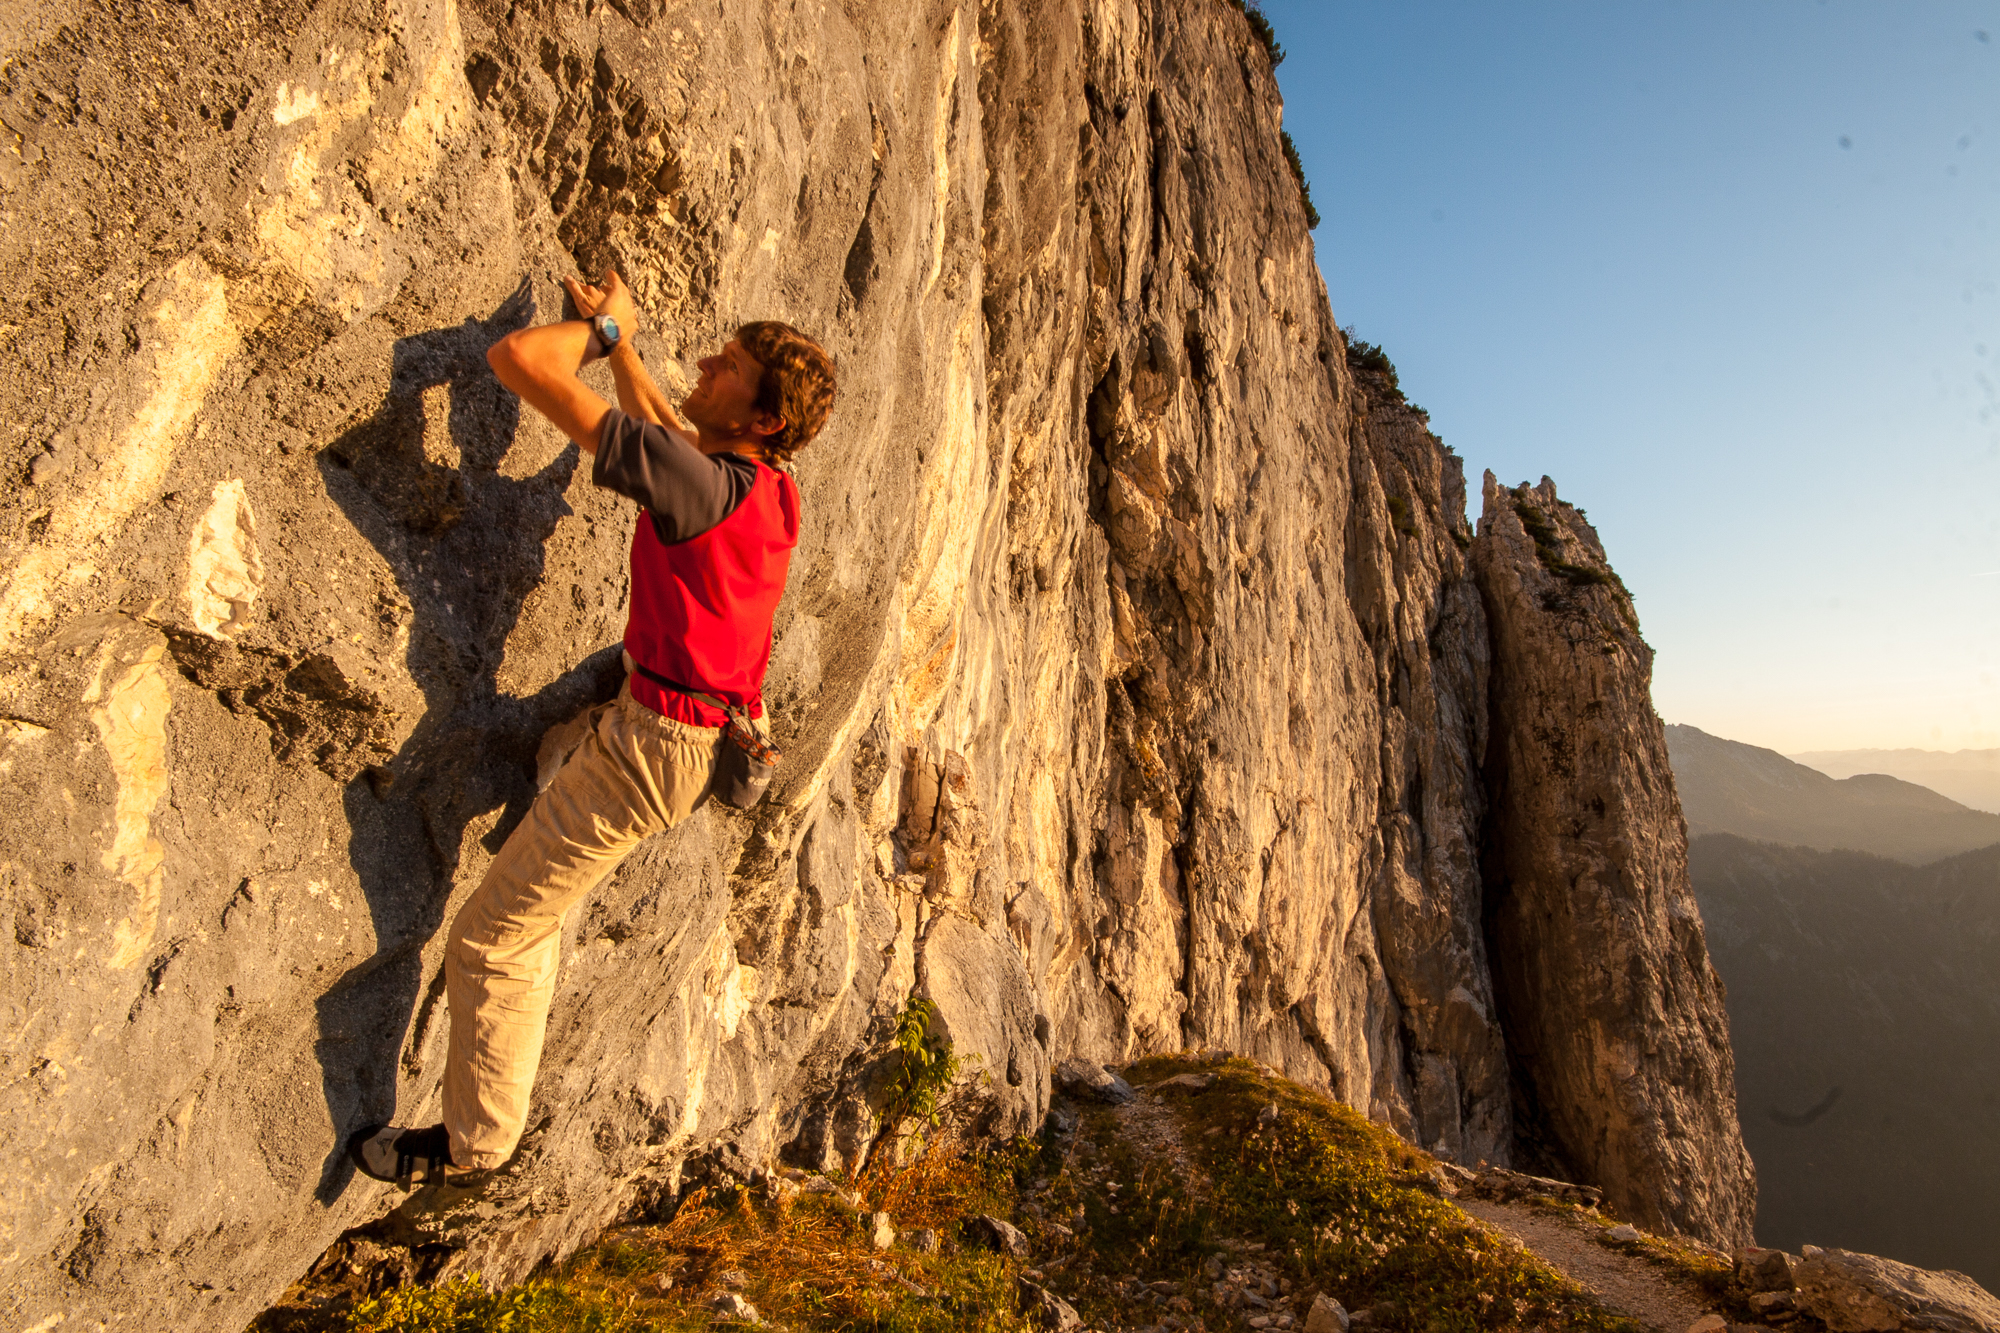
point(1504, 1186)
point(1765, 1270)
point(1045, 1309)
point(1091, 1081)
point(731, 1306)
point(997, 1235)
point(1326, 1316)
point(1862, 1293)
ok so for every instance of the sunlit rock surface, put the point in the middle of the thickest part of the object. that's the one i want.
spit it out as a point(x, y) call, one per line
point(1132, 676)
point(1613, 1013)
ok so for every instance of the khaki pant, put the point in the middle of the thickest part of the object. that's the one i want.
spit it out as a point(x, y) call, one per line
point(634, 774)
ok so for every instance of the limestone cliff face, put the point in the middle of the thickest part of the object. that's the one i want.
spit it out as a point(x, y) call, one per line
point(1613, 1013)
point(1133, 674)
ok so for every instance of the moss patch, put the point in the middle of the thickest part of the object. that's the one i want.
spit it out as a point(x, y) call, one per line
point(1338, 1204)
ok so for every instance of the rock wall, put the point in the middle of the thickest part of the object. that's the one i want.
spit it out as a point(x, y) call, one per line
point(1133, 676)
point(1613, 1013)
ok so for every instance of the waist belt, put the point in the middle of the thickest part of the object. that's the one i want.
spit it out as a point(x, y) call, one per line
point(728, 709)
point(747, 760)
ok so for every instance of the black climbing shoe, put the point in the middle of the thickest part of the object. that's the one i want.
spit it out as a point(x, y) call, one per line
point(386, 1153)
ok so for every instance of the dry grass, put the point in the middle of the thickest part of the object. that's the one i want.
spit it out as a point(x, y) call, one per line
point(1142, 1211)
point(805, 1260)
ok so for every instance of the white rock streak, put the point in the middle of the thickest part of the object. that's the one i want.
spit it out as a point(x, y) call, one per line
point(225, 568)
point(131, 719)
point(186, 339)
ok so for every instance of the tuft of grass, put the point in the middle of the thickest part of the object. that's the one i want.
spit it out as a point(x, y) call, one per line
point(466, 1306)
point(1270, 1176)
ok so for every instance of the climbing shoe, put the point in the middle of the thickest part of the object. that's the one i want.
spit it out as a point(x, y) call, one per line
point(387, 1153)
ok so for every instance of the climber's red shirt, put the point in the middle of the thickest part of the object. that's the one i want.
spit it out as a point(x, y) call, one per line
point(709, 559)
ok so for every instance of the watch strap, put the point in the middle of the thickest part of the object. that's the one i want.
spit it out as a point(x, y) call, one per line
point(600, 346)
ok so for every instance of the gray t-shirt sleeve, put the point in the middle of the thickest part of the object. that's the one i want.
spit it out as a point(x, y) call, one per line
point(685, 491)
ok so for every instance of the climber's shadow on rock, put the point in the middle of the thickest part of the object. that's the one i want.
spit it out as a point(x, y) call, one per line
point(420, 479)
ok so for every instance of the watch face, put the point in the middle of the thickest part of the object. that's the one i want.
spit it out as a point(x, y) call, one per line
point(608, 327)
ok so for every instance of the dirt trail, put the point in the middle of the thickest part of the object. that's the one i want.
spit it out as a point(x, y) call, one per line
point(1627, 1283)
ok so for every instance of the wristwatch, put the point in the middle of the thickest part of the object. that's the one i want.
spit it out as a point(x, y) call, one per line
point(604, 335)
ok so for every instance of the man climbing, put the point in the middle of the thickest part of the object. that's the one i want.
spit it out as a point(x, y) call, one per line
point(708, 567)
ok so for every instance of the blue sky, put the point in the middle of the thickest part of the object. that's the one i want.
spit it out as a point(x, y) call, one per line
point(1729, 273)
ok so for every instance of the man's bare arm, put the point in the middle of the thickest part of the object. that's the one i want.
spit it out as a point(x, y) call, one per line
point(540, 365)
point(638, 396)
point(646, 400)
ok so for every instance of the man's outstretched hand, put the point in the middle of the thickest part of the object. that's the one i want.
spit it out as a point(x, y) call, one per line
point(610, 298)
point(637, 394)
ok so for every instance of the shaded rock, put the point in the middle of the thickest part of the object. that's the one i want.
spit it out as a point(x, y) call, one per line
point(1093, 1082)
point(730, 1306)
point(1510, 1186)
point(1861, 1293)
point(1045, 1309)
point(995, 1234)
point(1327, 1315)
point(1443, 1082)
point(1759, 1269)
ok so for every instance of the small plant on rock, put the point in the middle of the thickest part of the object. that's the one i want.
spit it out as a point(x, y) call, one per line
point(925, 1072)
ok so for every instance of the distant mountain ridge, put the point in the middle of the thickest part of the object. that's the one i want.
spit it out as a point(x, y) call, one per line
point(1864, 1007)
point(1729, 787)
point(1970, 777)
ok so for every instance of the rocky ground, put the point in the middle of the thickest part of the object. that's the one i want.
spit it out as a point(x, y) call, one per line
point(1204, 1194)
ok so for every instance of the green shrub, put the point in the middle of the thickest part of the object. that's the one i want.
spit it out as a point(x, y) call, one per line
point(1549, 550)
point(1370, 359)
point(1299, 171)
point(926, 1069)
point(1260, 28)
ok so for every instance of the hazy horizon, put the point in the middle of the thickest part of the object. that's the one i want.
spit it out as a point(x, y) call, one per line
point(1729, 274)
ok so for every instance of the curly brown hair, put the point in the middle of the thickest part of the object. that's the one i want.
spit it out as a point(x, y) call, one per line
point(798, 384)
